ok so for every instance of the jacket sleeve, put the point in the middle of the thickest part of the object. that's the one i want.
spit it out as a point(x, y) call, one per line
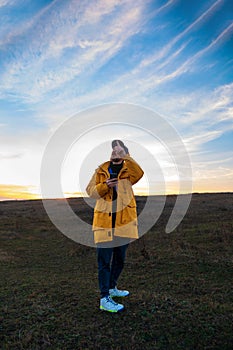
point(96, 189)
point(134, 169)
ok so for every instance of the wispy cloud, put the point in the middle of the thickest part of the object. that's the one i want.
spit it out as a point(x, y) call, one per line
point(191, 107)
point(212, 108)
point(195, 141)
point(10, 156)
point(157, 56)
point(71, 28)
point(10, 34)
point(159, 77)
point(115, 24)
point(6, 2)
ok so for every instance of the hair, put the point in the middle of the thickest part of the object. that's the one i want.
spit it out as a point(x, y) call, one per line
point(114, 143)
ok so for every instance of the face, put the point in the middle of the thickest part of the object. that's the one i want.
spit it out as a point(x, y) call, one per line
point(116, 158)
point(117, 161)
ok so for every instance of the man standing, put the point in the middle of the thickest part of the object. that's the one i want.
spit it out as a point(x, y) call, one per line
point(115, 219)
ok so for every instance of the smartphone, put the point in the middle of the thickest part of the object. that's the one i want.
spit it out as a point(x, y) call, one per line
point(113, 176)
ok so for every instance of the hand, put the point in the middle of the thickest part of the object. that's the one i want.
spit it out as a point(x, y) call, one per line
point(119, 150)
point(111, 182)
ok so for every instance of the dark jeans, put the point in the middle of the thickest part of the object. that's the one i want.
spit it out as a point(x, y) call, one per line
point(110, 264)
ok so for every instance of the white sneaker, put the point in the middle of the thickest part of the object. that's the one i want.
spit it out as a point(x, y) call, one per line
point(107, 304)
point(118, 293)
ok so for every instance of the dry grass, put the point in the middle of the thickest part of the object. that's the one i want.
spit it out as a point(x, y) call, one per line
point(180, 283)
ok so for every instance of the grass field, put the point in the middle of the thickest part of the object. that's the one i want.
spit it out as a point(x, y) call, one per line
point(180, 283)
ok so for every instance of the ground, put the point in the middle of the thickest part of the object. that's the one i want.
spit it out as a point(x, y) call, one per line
point(180, 283)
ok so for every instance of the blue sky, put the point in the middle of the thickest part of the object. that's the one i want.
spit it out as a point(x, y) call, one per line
point(58, 58)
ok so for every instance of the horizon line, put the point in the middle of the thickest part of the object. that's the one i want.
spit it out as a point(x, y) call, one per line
point(136, 195)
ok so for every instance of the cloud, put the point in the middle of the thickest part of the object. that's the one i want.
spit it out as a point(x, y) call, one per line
point(6, 3)
point(151, 81)
point(13, 33)
point(74, 30)
point(195, 141)
point(214, 108)
point(161, 73)
point(165, 50)
point(21, 155)
point(69, 27)
point(10, 156)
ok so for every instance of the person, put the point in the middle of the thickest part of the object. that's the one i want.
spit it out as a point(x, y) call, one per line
point(115, 219)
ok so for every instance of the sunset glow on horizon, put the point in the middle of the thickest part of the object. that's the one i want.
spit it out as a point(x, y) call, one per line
point(11, 192)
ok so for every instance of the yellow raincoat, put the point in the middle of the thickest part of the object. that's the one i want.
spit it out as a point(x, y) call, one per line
point(126, 215)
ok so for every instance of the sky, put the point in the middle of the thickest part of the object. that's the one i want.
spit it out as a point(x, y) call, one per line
point(60, 58)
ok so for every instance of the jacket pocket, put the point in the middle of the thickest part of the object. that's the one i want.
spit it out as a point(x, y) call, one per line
point(102, 235)
point(102, 220)
point(129, 213)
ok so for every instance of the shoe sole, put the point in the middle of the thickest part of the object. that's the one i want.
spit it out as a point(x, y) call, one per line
point(112, 311)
